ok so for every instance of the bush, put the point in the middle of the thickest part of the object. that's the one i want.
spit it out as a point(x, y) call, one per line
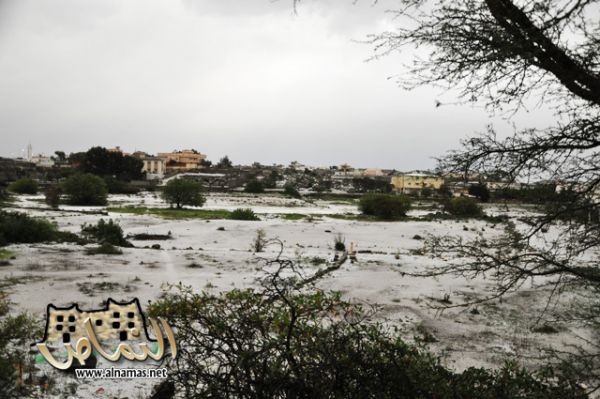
point(291, 191)
point(116, 186)
point(24, 186)
point(16, 334)
point(104, 249)
point(243, 214)
point(85, 189)
point(280, 342)
point(254, 186)
point(105, 233)
point(52, 196)
point(20, 228)
point(180, 192)
point(463, 207)
point(480, 191)
point(339, 242)
point(384, 206)
point(260, 241)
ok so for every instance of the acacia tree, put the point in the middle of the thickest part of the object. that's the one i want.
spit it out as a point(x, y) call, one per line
point(503, 54)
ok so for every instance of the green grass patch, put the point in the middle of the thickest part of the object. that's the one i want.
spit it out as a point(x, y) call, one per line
point(293, 216)
point(171, 213)
point(5, 254)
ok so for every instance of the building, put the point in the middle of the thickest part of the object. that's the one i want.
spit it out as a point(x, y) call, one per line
point(412, 182)
point(42, 161)
point(182, 160)
point(154, 167)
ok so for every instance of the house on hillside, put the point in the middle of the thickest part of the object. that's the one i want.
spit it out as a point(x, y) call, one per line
point(416, 181)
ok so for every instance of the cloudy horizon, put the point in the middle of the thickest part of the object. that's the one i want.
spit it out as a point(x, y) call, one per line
point(252, 80)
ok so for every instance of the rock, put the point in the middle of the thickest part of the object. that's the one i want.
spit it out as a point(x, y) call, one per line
point(155, 246)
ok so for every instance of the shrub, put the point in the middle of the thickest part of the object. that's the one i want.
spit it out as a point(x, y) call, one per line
point(260, 240)
point(339, 242)
point(384, 206)
point(105, 233)
point(85, 189)
point(104, 249)
point(243, 214)
point(480, 191)
point(291, 191)
point(280, 342)
point(16, 334)
point(52, 196)
point(254, 186)
point(180, 192)
point(116, 186)
point(24, 186)
point(463, 207)
point(20, 228)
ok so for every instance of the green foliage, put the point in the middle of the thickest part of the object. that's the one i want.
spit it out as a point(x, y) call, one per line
point(172, 213)
point(180, 192)
point(100, 161)
point(480, 191)
point(271, 180)
point(384, 206)
point(224, 163)
point(536, 194)
point(291, 191)
point(426, 192)
point(116, 186)
point(24, 186)
point(105, 232)
point(104, 249)
point(20, 228)
point(243, 214)
point(339, 242)
point(16, 334)
point(260, 241)
point(85, 189)
point(254, 186)
point(463, 207)
point(52, 196)
point(283, 343)
point(444, 191)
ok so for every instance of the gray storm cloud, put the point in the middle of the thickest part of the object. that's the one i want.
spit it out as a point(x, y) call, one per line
point(250, 79)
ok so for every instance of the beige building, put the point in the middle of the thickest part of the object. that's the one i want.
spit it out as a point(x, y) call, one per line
point(154, 167)
point(182, 160)
point(416, 181)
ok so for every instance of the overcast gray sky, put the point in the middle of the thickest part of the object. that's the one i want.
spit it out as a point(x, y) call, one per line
point(246, 78)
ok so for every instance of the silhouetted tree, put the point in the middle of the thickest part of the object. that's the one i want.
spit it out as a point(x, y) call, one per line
point(500, 53)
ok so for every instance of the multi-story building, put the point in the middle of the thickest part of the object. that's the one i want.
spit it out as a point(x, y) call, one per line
point(411, 182)
point(182, 160)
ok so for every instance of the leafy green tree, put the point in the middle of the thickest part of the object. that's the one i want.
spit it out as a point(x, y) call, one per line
point(180, 192)
point(480, 191)
point(105, 233)
point(101, 162)
point(505, 55)
point(463, 207)
point(290, 190)
point(85, 189)
point(52, 195)
point(384, 206)
point(254, 186)
point(224, 163)
point(24, 186)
